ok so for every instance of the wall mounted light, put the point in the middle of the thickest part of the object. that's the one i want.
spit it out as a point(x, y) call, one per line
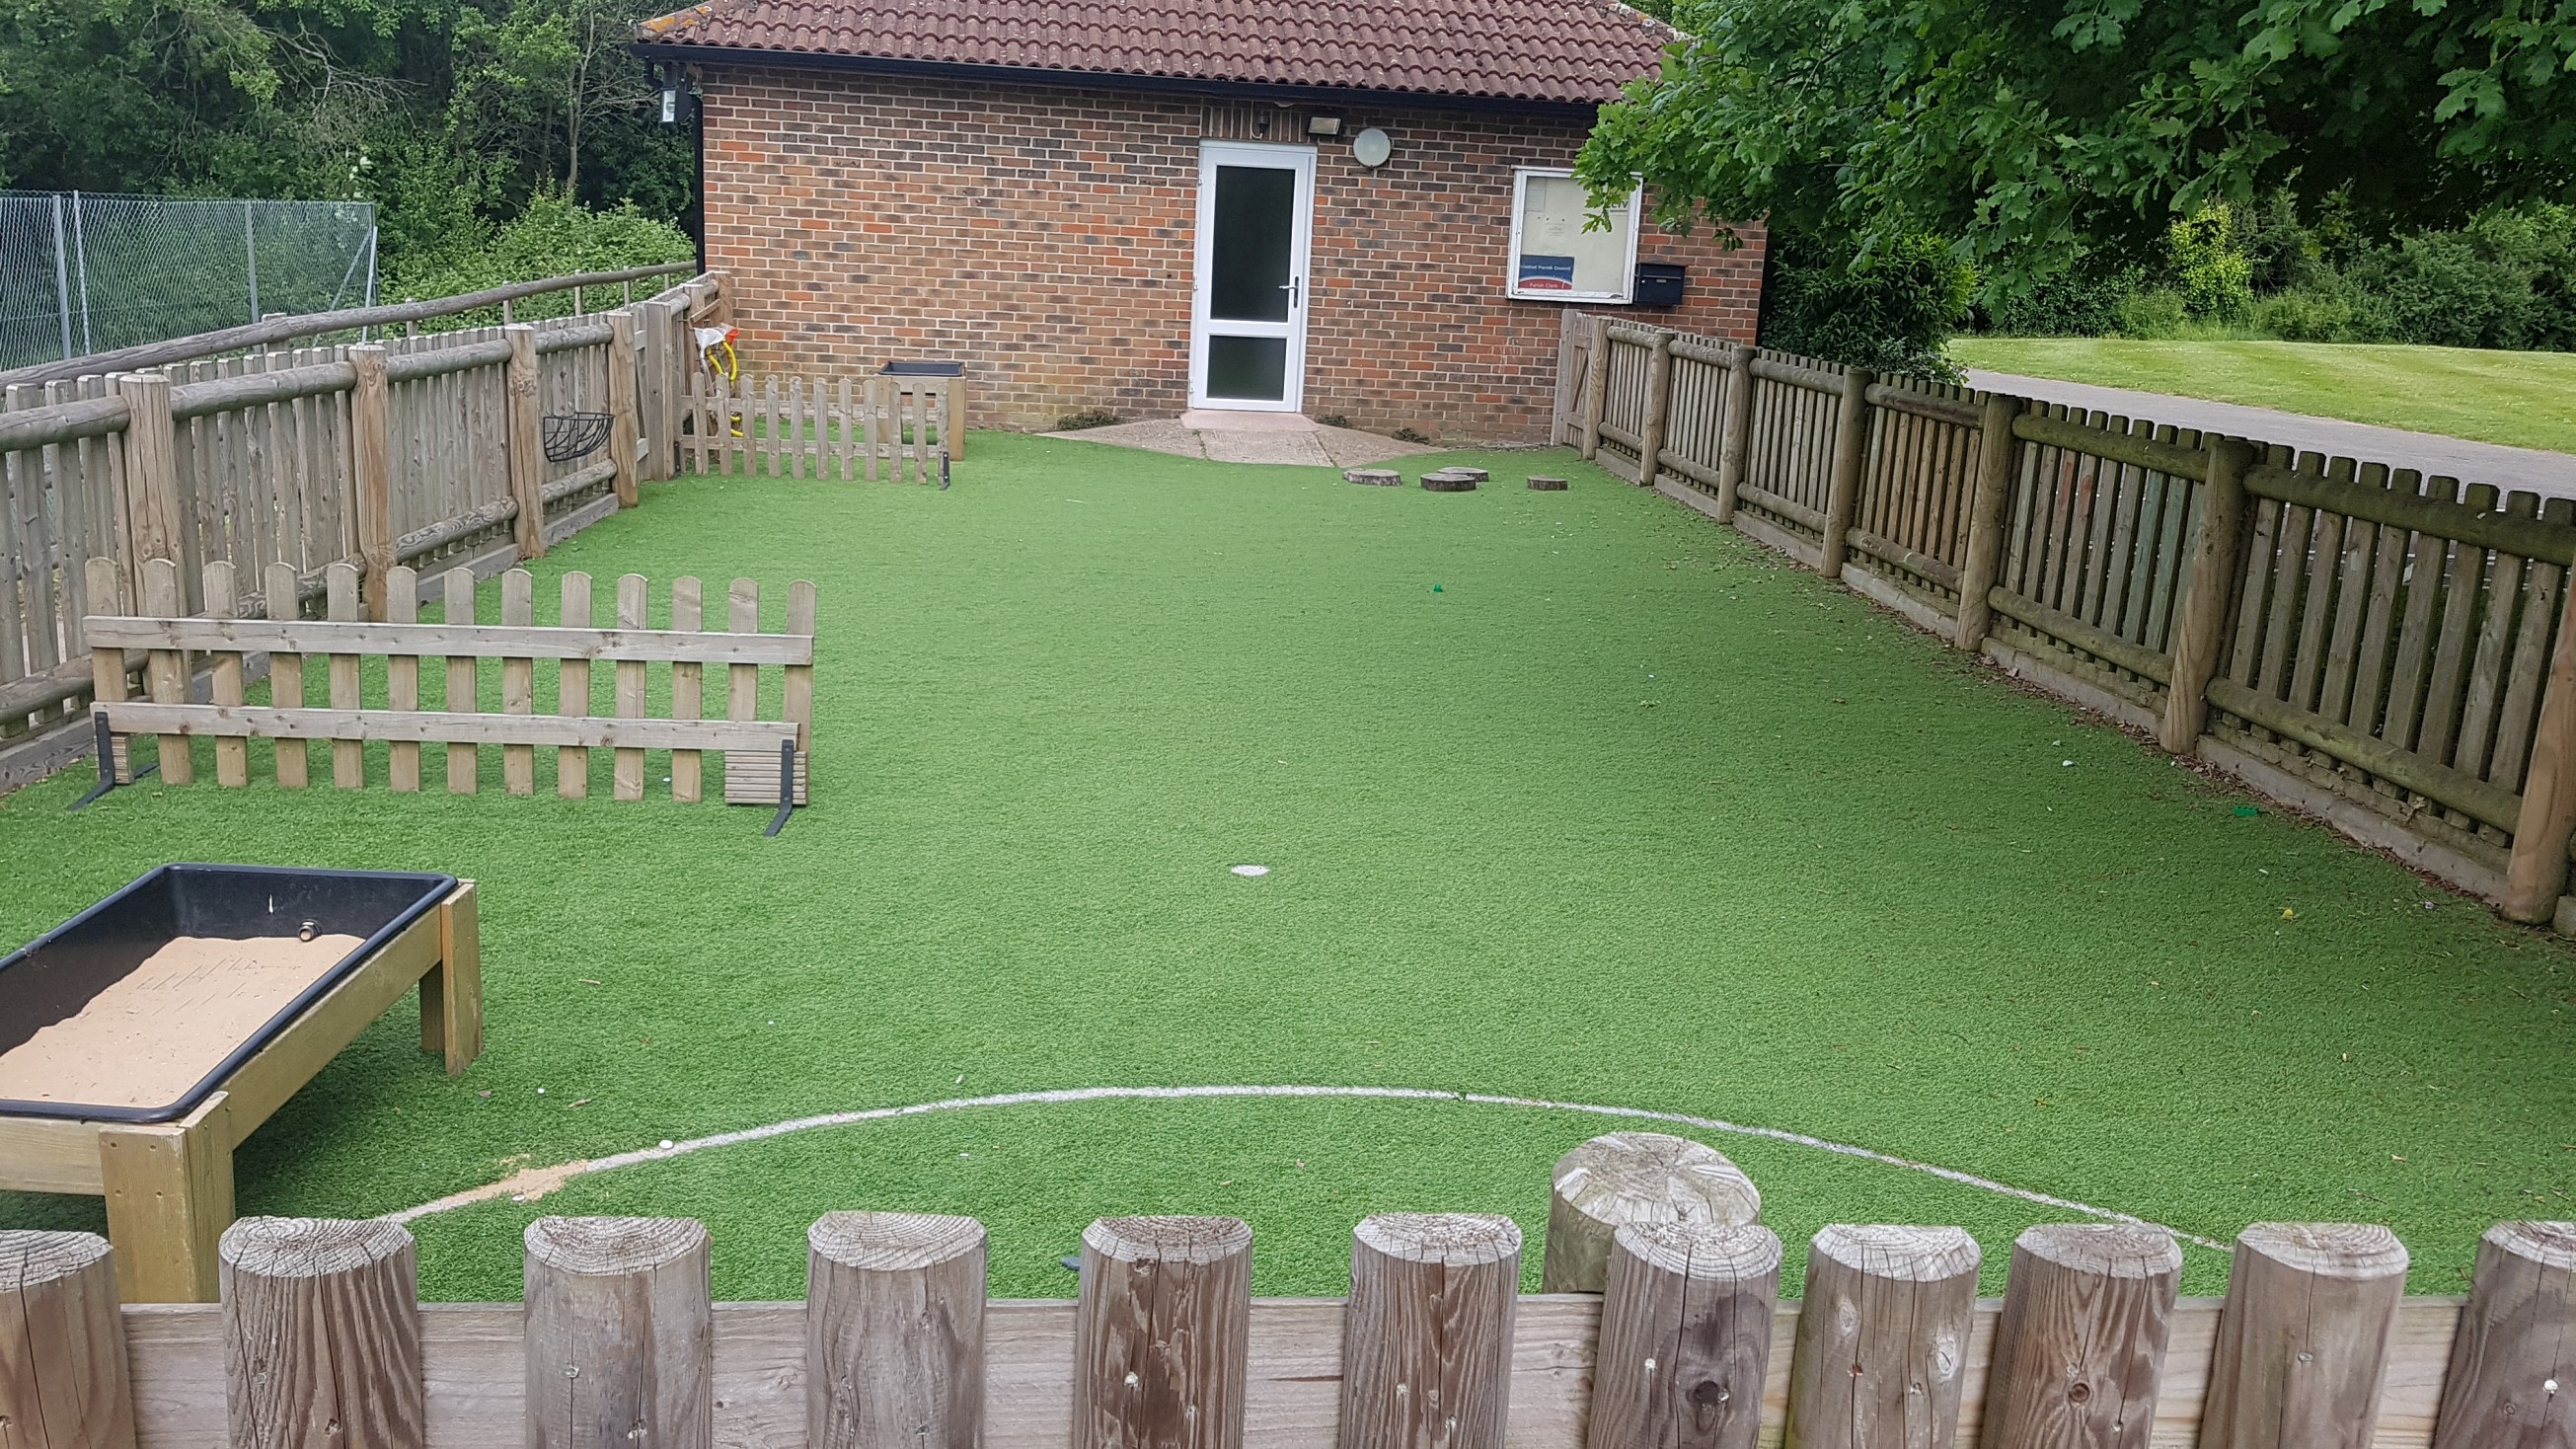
point(1371, 147)
point(1323, 125)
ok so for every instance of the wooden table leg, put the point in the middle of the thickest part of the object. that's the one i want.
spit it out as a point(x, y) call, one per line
point(451, 995)
point(169, 1189)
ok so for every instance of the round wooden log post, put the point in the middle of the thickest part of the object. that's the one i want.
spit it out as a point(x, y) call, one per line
point(894, 1331)
point(1162, 1334)
point(2512, 1383)
point(2080, 1348)
point(1883, 1337)
point(2303, 1337)
point(1427, 1339)
point(1685, 1336)
point(63, 1379)
point(1634, 1177)
point(322, 1335)
point(621, 1338)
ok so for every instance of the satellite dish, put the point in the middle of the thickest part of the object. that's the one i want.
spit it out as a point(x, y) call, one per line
point(1371, 147)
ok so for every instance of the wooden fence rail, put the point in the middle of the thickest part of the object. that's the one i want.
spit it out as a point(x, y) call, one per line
point(1678, 1339)
point(2386, 650)
point(223, 638)
point(429, 451)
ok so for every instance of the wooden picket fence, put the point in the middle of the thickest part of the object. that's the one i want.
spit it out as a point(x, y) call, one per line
point(906, 428)
point(165, 638)
point(2386, 650)
point(425, 451)
point(1658, 1331)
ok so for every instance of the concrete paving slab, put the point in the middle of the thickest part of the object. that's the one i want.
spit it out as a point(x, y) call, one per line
point(1284, 438)
point(2552, 475)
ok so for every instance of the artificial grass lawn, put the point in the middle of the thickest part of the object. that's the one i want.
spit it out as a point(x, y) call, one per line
point(1572, 796)
point(2514, 398)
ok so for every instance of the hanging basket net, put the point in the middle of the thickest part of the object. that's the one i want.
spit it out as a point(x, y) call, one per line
point(573, 435)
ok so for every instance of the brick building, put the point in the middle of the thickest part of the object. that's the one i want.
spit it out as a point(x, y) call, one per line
point(1336, 207)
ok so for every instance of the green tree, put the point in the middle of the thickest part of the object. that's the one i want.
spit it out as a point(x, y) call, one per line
point(2035, 131)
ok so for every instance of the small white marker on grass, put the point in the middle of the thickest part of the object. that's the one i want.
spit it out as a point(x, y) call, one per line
point(1249, 870)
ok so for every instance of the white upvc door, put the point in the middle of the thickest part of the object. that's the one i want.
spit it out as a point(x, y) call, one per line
point(1248, 307)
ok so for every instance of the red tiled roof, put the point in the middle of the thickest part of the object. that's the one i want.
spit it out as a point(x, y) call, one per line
point(1536, 50)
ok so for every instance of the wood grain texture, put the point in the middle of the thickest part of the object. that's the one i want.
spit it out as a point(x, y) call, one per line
point(623, 426)
point(688, 690)
point(451, 993)
point(1686, 1321)
point(894, 1331)
point(1161, 1333)
point(371, 462)
point(223, 601)
point(285, 675)
point(518, 681)
point(1850, 455)
point(1292, 1395)
point(620, 1339)
point(464, 688)
point(524, 431)
point(2201, 626)
point(165, 675)
point(2080, 1345)
point(340, 599)
point(323, 1326)
point(1634, 1177)
point(1427, 1337)
point(1988, 504)
point(402, 678)
point(1883, 1333)
point(2303, 1341)
point(2512, 1379)
point(169, 1190)
point(63, 1377)
point(627, 779)
point(433, 725)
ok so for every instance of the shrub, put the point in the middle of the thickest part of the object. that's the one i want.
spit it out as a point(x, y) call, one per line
point(2208, 269)
point(552, 238)
point(2082, 303)
point(2160, 313)
point(1891, 313)
point(2307, 314)
point(1087, 418)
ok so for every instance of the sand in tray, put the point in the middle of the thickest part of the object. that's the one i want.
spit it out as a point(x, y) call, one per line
point(157, 1031)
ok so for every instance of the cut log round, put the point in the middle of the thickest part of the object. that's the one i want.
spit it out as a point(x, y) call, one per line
point(2080, 1346)
point(1427, 1339)
point(323, 1335)
point(1162, 1333)
point(63, 1377)
point(1882, 1345)
point(1374, 477)
point(2515, 1358)
point(1634, 1177)
point(1449, 480)
point(894, 1331)
point(1545, 484)
point(1685, 1336)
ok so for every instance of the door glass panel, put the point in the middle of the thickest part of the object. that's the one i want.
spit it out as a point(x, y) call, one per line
point(1249, 369)
point(1254, 225)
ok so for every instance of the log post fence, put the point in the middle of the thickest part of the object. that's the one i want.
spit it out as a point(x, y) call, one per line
point(2389, 652)
point(319, 1337)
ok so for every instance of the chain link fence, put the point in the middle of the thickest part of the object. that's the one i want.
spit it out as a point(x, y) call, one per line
point(83, 273)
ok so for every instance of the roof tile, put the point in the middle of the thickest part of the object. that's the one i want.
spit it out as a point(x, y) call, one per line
point(1539, 50)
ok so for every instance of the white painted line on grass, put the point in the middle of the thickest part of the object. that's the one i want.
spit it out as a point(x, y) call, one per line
point(538, 1181)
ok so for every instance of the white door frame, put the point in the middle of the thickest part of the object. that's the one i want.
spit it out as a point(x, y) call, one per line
point(1301, 160)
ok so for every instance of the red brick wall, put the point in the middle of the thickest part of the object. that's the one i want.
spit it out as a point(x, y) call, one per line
point(1044, 235)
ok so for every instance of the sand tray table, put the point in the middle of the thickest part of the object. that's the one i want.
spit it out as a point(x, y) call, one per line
point(144, 1038)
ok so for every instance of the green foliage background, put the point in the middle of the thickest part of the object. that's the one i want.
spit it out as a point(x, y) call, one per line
point(455, 117)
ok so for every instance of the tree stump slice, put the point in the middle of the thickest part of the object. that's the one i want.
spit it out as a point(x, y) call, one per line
point(1374, 477)
point(894, 1331)
point(621, 1336)
point(1685, 1336)
point(2303, 1337)
point(1634, 1177)
point(64, 1383)
point(2512, 1382)
point(1542, 483)
point(1427, 1338)
point(2080, 1346)
point(1452, 480)
point(1883, 1337)
point(1162, 1333)
point(322, 1329)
